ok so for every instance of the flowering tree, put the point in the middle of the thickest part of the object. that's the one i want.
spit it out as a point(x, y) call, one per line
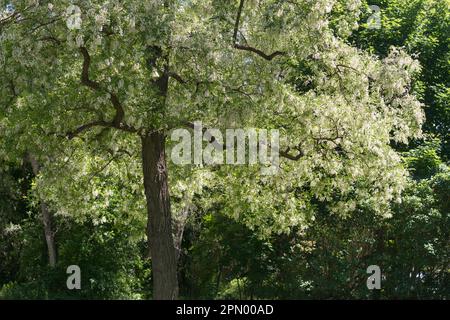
point(115, 77)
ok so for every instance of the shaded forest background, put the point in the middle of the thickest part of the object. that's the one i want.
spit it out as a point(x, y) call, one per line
point(221, 258)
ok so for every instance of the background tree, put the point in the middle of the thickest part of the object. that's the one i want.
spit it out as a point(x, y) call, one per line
point(421, 27)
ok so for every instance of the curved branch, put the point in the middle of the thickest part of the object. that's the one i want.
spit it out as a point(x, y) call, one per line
point(85, 80)
point(99, 123)
point(238, 46)
point(177, 77)
point(87, 126)
point(287, 155)
point(259, 52)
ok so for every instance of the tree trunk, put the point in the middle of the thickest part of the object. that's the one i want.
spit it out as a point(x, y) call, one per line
point(49, 234)
point(46, 219)
point(159, 227)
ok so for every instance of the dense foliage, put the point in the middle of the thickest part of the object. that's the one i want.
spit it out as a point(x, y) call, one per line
point(364, 177)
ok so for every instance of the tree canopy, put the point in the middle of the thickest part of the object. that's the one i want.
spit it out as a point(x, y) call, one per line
point(91, 91)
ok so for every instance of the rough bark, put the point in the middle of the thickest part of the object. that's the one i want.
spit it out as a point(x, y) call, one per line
point(159, 228)
point(46, 219)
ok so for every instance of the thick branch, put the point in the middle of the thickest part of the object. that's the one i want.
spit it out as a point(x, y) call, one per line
point(13, 88)
point(238, 46)
point(287, 155)
point(259, 52)
point(238, 19)
point(120, 114)
point(86, 127)
point(177, 77)
point(85, 72)
point(99, 123)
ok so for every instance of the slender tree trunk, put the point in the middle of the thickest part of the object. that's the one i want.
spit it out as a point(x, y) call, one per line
point(179, 224)
point(159, 228)
point(46, 219)
point(49, 234)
